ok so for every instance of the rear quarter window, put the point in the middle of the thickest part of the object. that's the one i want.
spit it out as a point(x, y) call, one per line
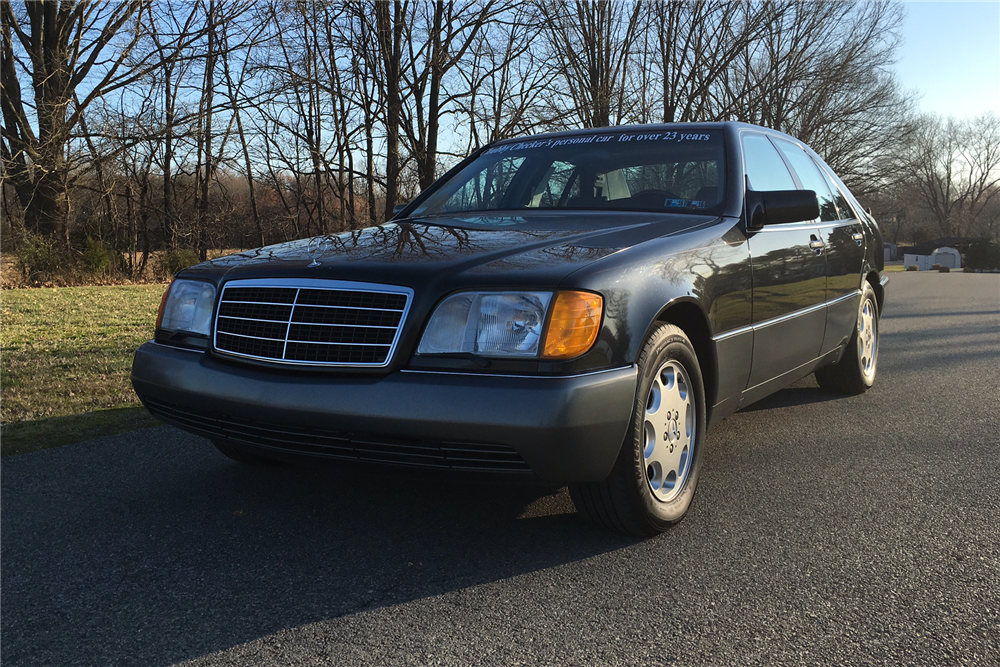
point(812, 179)
point(843, 208)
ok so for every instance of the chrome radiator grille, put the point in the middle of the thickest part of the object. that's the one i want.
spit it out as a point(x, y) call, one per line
point(311, 322)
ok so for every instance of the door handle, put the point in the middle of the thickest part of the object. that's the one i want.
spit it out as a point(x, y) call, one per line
point(816, 245)
point(858, 237)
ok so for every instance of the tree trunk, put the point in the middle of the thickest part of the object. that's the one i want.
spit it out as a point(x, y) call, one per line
point(169, 228)
point(389, 32)
point(209, 101)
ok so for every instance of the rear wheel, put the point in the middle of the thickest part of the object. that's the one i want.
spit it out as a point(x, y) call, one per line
point(655, 476)
point(855, 372)
point(243, 454)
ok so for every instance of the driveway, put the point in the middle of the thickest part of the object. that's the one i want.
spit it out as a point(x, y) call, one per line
point(826, 530)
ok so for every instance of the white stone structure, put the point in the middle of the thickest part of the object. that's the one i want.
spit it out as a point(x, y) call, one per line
point(944, 256)
point(947, 257)
point(923, 262)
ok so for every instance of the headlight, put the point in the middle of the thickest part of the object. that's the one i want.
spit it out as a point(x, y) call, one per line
point(187, 307)
point(512, 324)
point(490, 324)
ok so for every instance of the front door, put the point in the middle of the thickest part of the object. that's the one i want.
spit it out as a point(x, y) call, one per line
point(789, 289)
point(789, 275)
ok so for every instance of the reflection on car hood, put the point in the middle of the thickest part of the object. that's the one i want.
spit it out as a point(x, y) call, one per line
point(412, 251)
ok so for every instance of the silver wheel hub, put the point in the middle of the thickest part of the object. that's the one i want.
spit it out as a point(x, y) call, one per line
point(867, 338)
point(668, 431)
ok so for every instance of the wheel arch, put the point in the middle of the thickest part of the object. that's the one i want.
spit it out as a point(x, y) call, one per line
point(690, 318)
point(873, 279)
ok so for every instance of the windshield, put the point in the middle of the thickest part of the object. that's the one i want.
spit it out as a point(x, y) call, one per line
point(673, 171)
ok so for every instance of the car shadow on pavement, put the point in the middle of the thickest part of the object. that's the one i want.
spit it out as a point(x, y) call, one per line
point(803, 392)
point(151, 548)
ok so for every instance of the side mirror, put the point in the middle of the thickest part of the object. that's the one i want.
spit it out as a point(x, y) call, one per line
point(778, 206)
point(398, 207)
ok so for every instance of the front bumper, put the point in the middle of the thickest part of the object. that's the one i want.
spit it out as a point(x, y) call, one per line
point(566, 429)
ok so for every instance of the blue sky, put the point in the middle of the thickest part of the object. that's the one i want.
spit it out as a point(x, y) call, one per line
point(951, 55)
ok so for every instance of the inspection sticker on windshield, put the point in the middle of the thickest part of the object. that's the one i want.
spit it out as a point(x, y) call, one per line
point(683, 203)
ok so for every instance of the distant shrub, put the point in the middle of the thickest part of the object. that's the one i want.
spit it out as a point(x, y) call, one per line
point(944, 269)
point(913, 267)
point(42, 258)
point(983, 254)
point(101, 260)
point(173, 261)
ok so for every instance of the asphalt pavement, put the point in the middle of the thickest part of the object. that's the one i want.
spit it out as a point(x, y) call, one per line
point(826, 531)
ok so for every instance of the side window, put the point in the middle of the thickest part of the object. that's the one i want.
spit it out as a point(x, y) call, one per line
point(842, 206)
point(764, 166)
point(812, 179)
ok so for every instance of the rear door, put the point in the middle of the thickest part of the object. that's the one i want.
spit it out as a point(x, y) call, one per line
point(789, 274)
point(845, 259)
point(843, 243)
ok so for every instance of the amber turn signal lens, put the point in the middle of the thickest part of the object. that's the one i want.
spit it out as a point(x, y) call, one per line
point(163, 303)
point(573, 326)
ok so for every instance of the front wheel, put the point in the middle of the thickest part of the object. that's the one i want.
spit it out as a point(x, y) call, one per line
point(655, 476)
point(855, 372)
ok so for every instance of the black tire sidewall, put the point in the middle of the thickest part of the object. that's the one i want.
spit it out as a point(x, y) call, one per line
point(666, 343)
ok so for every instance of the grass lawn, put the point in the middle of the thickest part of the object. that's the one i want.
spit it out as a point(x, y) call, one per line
point(65, 361)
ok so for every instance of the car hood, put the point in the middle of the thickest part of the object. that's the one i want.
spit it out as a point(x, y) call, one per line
point(483, 249)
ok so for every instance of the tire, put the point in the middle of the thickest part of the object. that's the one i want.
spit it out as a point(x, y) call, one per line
point(855, 372)
point(243, 454)
point(656, 474)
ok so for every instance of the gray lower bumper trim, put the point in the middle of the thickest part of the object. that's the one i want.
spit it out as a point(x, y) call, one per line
point(567, 429)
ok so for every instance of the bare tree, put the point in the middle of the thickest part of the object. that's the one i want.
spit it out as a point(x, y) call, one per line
point(165, 31)
point(219, 122)
point(822, 71)
point(68, 48)
point(593, 42)
point(954, 168)
point(390, 23)
point(446, 32)
point(507, 80)
point(237, 101)
point(696, 45)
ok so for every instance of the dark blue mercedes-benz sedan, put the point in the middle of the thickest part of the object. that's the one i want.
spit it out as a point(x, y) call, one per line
point(580, 307)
